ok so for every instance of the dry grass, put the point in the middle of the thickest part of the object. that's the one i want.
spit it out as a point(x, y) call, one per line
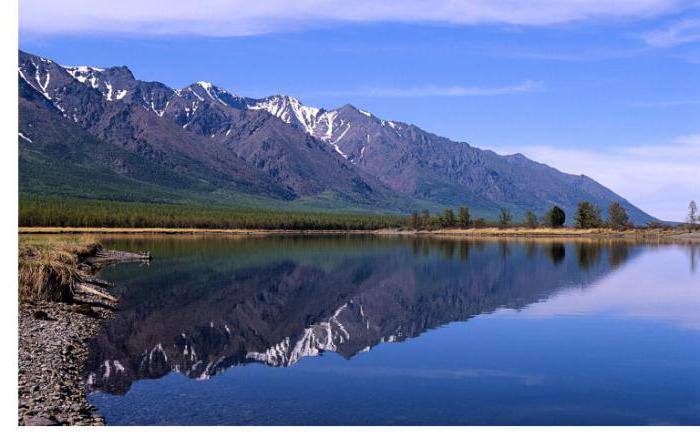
point(145, 231)
point(669, 232)
point(49, 266)
point(563, 232)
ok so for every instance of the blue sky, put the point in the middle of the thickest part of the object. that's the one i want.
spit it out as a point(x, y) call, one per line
point(610, 91)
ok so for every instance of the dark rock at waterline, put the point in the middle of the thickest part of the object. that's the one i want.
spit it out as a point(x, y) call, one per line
point(41, 315)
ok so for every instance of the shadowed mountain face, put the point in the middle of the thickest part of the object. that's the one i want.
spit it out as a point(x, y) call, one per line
point(200, 133)
point(206, 305)
point(427, 166)
point(204, 140)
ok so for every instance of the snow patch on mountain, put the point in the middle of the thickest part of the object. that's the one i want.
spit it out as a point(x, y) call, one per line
point(38, 86)
point(94, 77)
point(159, 112)
point(200, 98)
point(328, 126)
point(289, 110)
point(83, 73)
point(317, 338)
point(212, 92)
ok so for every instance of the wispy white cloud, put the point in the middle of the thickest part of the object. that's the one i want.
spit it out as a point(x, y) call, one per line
point(245, 17)
point(440, 91)
point(680, 32)
point(660, 179)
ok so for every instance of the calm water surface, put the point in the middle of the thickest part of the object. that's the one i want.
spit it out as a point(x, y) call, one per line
point(328, 330)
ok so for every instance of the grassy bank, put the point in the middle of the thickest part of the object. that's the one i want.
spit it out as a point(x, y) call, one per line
point(563, 232)
point(55, 212)
point(56, 320)
point(676, 234)
point(49, 267)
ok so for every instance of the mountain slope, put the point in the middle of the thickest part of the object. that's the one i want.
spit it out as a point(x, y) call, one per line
point(204, 164)
point(204, 142)
point(58, 158)
point(427, 166)
point(187, 131)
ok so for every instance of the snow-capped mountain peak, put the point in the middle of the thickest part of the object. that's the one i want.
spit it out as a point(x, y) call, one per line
point(330, 126)
point(213, 92)
point(83, 73)
point(96, 78)
point(340, 128)
point(290, 110)
point(202, 91)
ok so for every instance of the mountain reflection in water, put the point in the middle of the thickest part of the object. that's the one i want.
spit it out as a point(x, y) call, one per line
point(207, 304)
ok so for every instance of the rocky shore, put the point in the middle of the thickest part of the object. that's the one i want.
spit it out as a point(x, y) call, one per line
point(53, 340)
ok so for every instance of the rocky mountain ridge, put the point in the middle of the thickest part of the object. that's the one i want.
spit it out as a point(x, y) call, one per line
point(278, 148)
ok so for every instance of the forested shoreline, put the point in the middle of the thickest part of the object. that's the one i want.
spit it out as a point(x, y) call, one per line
point(63, 212)
point(39, 211)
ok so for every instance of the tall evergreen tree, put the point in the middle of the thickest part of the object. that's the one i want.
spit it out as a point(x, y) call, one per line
point(530, 220)
point(617, 216)
point(587, 216)
point(504, 217)
point(425, 218)
point(448, 218)
point(464, 217)
point(555, 217)
point(693, 213)
point(415, 220)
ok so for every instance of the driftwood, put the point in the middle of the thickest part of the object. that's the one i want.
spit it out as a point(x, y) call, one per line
point(97, 291)
point(89, 279)
point(90, 284)
point(104, 257)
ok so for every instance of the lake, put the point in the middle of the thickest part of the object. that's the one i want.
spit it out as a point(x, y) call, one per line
point(369, 330)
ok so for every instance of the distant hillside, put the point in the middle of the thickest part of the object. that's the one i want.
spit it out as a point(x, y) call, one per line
point(99, 133)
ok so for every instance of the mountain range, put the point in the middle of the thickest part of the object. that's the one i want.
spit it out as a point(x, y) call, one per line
point(100, 133)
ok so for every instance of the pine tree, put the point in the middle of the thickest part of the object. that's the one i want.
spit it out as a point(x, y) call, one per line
point(504, 217)
point(448, 218)
point(587, 216)
point(425, 217)
point(555, 217)
point(415, 220)
point(530, 220)
point(693, 213)
point(464, 217)
point(617, 216)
